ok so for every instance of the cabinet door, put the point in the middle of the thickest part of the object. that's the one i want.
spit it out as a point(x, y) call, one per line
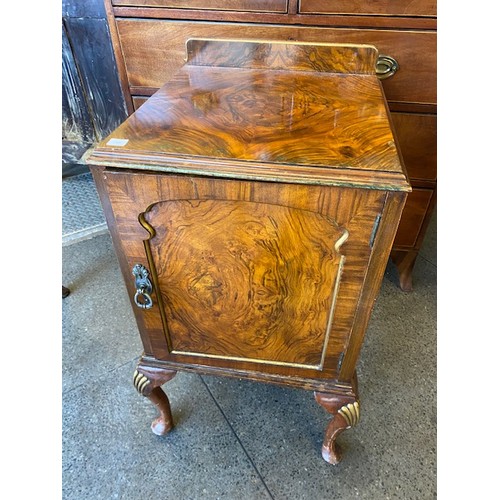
point(246, 273)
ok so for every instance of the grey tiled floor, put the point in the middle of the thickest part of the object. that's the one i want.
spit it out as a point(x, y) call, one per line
point(237, 439)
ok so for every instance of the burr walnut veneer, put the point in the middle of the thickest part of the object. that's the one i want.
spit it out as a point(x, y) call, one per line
point(253, 201)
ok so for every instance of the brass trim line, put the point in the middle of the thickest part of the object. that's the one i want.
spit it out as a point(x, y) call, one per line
point(250, 360)
point(329, 325)
point(140, 381)
point(350, 412)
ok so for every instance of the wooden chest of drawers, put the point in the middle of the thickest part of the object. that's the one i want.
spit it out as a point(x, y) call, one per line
point(149, 38)
point(253, 202)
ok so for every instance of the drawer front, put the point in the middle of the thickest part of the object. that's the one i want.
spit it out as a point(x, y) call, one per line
point(246, 274)
point(417, 138)
point(369, 7)
point(154, 50)
point(279, 6)
point(413, 217)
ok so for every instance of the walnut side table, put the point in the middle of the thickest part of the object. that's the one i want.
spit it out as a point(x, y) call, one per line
point(252, 202)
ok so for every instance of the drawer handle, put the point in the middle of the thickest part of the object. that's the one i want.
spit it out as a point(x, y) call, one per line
point(144, 288)
point(386, 66)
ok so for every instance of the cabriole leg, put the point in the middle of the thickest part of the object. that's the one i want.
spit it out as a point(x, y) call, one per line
point(345, 415)
point(151, 388)
point(405, 262)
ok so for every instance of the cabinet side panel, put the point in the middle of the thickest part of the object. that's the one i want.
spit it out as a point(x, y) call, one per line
point(378, 260)
point(104, 195)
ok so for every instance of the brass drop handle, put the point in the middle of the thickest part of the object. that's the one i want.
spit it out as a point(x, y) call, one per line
point(386, 66)
point(144, 287)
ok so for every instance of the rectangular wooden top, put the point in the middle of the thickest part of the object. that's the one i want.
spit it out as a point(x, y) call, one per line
point(277, 111)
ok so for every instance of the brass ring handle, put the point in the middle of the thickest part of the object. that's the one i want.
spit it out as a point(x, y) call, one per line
point(146, 302)
point(143, 286)
point(386, 66)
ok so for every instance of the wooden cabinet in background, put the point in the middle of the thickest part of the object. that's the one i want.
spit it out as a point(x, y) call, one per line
point(149, 38)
